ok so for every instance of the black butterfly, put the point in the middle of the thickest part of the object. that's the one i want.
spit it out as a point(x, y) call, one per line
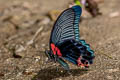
point(65, 40)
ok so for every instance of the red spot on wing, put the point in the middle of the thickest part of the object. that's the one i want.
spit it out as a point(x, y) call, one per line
point(79, 62)
point(55, 50)
point(58, 52)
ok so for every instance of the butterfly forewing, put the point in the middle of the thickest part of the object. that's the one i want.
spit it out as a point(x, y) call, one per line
point(65, 26)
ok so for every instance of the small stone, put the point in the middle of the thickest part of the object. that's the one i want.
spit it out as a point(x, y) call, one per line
point(26, 5)
point(46, 59)
point(27, 73)
point(17, 55)
point(20, 49)
point(110, 77)
point(114, 14)
point(118, 44)
point(16, 19)
point(37, 58)
point(45, 21)
point(61, 71)
point(43, 45)
point(27, 24)
point(19, 74)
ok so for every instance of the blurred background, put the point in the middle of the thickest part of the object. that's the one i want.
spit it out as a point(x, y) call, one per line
point(25, 27)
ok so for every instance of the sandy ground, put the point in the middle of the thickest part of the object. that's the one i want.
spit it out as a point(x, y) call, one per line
point(20, 19)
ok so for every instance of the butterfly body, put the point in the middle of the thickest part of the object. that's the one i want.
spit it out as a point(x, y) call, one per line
point(65, 40)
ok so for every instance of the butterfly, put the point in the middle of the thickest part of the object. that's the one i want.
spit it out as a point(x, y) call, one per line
point(65, 42)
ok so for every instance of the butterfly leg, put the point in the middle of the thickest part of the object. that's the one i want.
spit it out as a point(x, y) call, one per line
point(47, 52)
point(49, 55)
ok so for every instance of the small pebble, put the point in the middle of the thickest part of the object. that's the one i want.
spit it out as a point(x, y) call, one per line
point(110, 77)
point(114, 14)
point(28, 72)
point(37, 58)
point(61, 71)
point(45, 21)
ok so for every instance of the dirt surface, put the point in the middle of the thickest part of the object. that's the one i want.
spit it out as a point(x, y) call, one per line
point(20, 19)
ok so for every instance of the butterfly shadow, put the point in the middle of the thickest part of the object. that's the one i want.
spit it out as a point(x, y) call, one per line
point(52, 73)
